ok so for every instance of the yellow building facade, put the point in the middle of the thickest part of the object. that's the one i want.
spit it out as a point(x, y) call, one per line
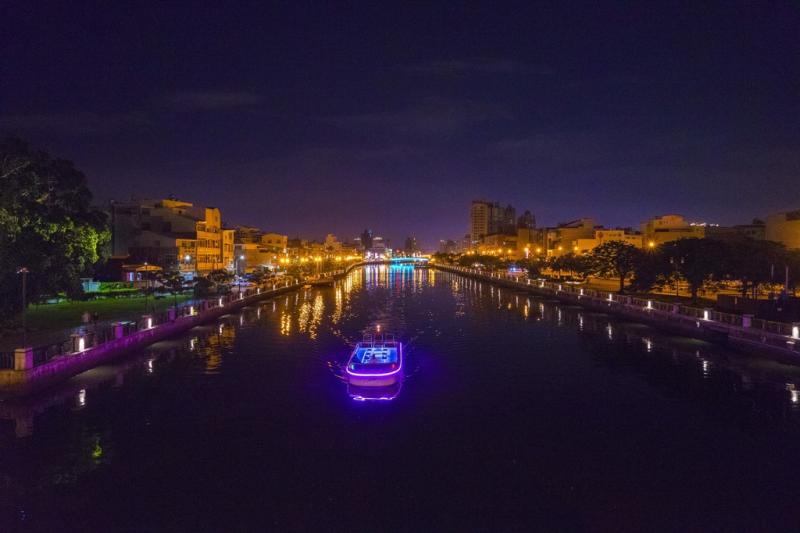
point(784, 228)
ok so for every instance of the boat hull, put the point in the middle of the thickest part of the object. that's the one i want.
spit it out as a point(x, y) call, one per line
point(368, 394)
point(375, 381)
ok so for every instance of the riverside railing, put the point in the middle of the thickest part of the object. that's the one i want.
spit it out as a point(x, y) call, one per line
point(86, 338)
point(775, 334)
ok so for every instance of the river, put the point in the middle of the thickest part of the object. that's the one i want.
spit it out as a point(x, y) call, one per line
point(515, 414)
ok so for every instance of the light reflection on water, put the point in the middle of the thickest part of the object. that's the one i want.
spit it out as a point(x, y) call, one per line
point(463, 338)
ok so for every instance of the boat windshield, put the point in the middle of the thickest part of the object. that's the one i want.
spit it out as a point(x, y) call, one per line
point(374, 355)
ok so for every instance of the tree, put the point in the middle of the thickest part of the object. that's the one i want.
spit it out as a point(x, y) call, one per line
point(653, 270)
point(220, 278)
point(793, 260)
point(753, 263)
point(616, 258)
point(576, 265)
point(257, 277)
point(489, 261)
point(697, 261)
point(533, 266)
point(46, 224)
point(174, 283)
point(442, 257)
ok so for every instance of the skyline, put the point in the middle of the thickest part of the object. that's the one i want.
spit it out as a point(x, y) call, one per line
point(395, 119)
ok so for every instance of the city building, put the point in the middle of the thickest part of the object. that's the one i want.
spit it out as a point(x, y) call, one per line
point(563, 238)
point(498, 244)
point(480, 214)
point(448, 246)
point(260, 250)
point(504, 220)
point(411, 245)
point(332, 244)
point(784, 228)
point(602, 236)
point(669, 228)
point(756, 230)
point(169, 233)
point(371, 244)
point(526, 221)
point(490, 218)
point(274, 242)
point(228, 248)
point(529, 242)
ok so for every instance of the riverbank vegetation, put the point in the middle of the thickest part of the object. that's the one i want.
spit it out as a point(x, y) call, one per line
point(700, 264)
point(49, 232)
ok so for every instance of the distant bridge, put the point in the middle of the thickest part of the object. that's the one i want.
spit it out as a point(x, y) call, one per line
point(408, 260)
point(391, 261)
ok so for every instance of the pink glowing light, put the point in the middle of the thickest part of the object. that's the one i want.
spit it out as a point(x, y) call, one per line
point(382, 374)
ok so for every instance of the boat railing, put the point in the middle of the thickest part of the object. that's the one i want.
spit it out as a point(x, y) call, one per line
point(380, 339)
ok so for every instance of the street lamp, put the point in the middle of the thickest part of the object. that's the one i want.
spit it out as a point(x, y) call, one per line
point(24, 271)
point(146, 287)
point(241, 258)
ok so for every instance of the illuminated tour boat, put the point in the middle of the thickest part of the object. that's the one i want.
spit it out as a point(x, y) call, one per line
point(377, 361)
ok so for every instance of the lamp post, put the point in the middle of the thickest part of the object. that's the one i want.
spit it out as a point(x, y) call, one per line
point(188, 260)
point(675, 267)
point(146, 287)
point(241, 258)
point(24, 271)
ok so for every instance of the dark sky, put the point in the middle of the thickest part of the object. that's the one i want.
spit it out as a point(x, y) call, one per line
point(310, 118)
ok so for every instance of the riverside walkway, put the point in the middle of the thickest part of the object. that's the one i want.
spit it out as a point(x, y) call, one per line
point(30, 369)
point(778, 340)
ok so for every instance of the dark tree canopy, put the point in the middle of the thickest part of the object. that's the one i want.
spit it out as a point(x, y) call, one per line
point(616, 258)
point(47, 224)
point(698, 261)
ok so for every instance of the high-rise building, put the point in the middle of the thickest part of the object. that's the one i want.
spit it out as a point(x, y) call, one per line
point(480, 215)
point(507, 220)
point(366, 239)
point(447, 246)
point(411, 245)
point(526, 221)
point(491, 218)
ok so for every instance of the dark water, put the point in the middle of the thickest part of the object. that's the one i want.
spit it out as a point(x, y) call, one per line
point(517, 414)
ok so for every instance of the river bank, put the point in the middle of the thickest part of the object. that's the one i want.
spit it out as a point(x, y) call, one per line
point(777, 340)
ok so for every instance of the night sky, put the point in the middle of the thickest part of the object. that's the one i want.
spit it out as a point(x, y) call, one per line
point(316, 118)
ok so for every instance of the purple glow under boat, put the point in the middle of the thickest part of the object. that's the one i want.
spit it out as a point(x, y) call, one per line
point(377, 361)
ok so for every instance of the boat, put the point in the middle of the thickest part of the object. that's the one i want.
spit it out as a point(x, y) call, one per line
point(376, 361)
point(307, 286)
